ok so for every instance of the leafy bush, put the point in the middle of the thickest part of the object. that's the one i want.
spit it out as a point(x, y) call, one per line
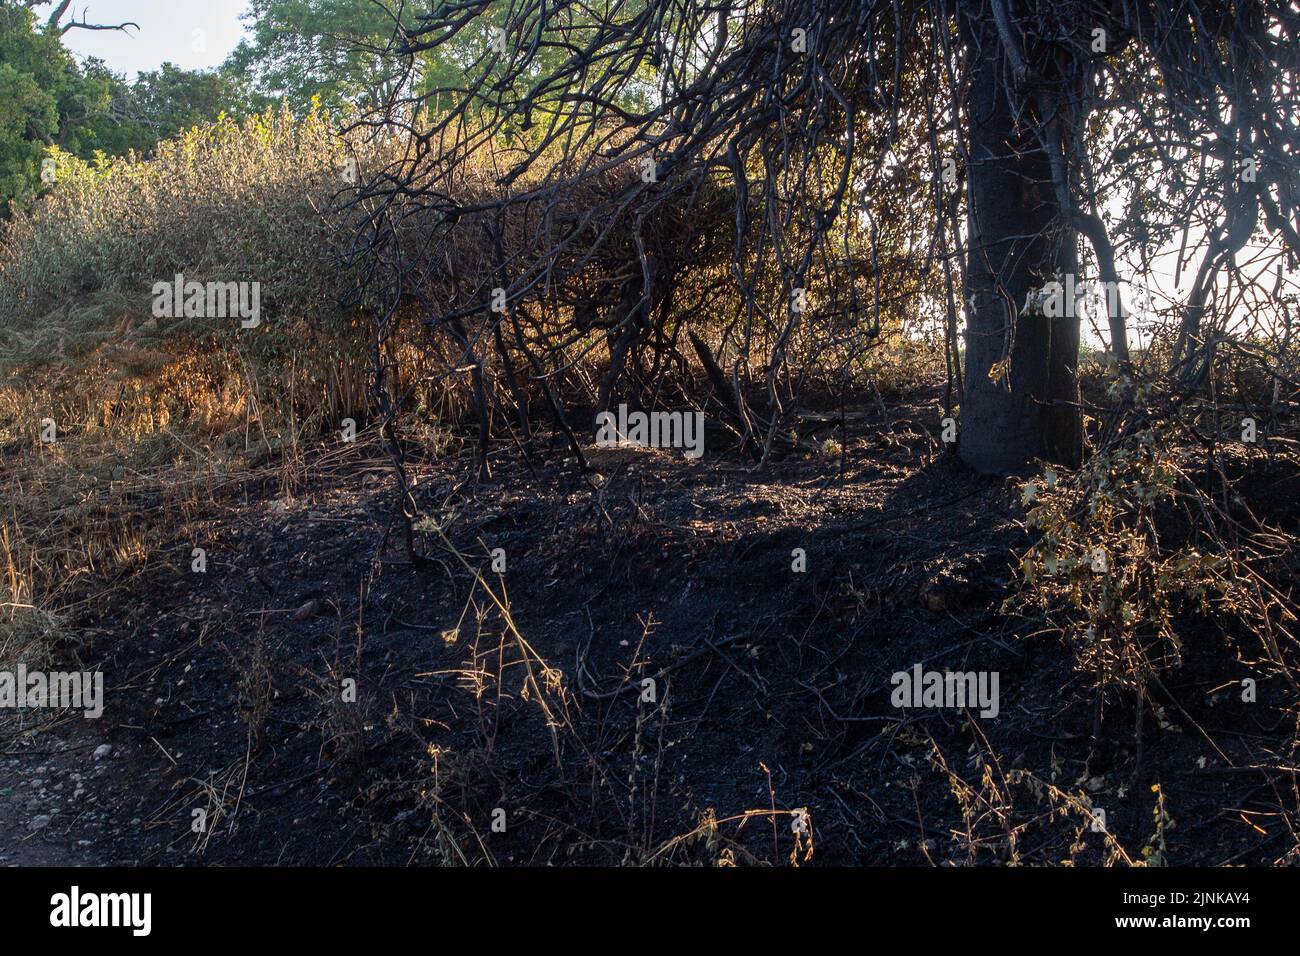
point(1132, 547)
point(223, 202)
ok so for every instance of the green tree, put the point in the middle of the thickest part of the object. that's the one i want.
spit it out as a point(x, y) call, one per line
point(39, 89)
point(325, 49)
point(47, 99)
point(163, 102)
point(340, 53)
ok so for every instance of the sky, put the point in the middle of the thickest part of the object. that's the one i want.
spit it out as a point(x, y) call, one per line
point(194, 34)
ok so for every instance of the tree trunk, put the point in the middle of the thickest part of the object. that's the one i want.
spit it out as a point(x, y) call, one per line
point(1028, 408)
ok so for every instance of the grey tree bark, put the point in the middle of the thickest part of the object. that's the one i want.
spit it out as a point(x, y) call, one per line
point(1015, 411)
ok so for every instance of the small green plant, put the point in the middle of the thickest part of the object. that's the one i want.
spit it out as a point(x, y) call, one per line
point(1102, 558)
point(1140, 544)
point(1155, 852)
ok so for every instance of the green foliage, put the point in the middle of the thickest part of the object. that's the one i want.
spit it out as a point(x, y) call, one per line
point(1098, 552)
point(164, 102)
point(1156, 852)
point(1118, 558)
point(228, 201)
point(48, 101)
point(42, 95)
point(303, 51)
point(328, 51)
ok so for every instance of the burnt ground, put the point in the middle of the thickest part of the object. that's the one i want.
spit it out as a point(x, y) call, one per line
point(771, 687)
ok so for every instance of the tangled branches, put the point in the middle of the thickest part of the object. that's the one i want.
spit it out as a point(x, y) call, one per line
point(789, 182)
